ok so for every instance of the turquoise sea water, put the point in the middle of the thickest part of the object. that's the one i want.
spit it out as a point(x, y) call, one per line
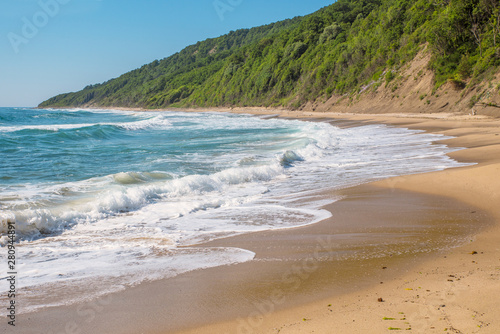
point(113, 194)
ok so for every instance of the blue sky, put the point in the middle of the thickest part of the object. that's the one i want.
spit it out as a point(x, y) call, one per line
point(49, 47)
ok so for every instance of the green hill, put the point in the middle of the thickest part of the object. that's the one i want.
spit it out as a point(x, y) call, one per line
point(338, 50)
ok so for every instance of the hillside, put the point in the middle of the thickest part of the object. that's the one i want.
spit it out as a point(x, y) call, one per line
point(349, 52)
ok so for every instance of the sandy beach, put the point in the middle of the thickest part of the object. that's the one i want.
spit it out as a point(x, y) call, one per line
point(245, 167)
point(302, 282)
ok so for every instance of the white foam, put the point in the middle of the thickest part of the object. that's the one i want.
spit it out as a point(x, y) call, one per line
point(106, 200)
point(49, 127)
point(156, 122)
point(139, 260)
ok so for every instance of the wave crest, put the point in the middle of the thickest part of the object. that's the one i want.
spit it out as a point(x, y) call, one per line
point(123, 193)
point(157, 122)
point(289, 158)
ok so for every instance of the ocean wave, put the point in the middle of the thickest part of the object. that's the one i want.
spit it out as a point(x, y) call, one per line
point(48, 127)
point(137, 178)
point(123, 193)
point(158, 122)
point(289, 158)
point(90, 110)
point(128, 192)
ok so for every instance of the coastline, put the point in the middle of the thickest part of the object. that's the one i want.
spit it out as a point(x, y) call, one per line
point(471, 185)
point(452, 292)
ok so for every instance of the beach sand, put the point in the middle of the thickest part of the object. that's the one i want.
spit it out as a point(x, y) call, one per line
point(302, 280)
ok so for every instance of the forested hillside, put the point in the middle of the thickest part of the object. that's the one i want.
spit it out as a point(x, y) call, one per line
point(341, 49)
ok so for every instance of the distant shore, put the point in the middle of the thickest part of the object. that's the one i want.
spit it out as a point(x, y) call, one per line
point(454, 290)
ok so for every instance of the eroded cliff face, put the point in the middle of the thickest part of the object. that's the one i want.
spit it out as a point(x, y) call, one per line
point(412, 90)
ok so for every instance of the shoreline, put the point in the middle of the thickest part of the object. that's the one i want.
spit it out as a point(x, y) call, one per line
point(318, 317)
point(451, 292)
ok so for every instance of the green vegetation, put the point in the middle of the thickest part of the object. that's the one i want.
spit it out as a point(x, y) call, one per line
point(343, 48)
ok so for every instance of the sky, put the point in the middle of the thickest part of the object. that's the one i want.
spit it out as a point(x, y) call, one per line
point(49, 47)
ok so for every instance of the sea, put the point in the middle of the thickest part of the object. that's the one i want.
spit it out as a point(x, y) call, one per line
point(103, 199)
